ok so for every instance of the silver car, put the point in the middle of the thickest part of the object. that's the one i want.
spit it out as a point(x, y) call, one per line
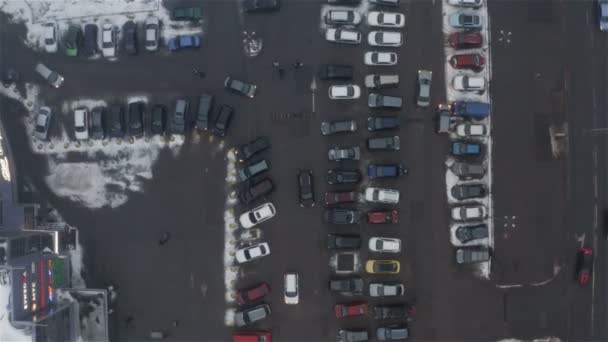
point(424, 88)
point(472, 255)
point(386, 289)
point(251, 315)
point(152, 33)
point(347, 153)
point(43, 121)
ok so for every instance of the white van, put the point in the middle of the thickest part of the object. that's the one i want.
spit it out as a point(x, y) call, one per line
point(292, 294)
point(52, 77)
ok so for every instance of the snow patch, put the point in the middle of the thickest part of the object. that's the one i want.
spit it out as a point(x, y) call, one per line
point(7, 331)
point(76, 263)
point(229, 317)
point(231, 271)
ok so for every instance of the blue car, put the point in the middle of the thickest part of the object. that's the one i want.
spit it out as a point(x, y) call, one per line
point(466, 149)
point(184, 42)
point(385, 170)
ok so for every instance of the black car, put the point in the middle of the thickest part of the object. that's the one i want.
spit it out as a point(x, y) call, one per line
point(116, 121)
point(343, 176)
point(469, 233)
point(306, 193)
point(466, 191)
point(337, 241)
point(240, 87)
point(390, 311)
point(96, 123)
point(347, 286)
point(252, 170)
point(89, 47)
point(385, 170)
point(336, 72)
point(245, 152)
point(136, 119)
point(342, 216)
point(159, 119)
point(222, 122)
point(261, 5)
point(468, 170)
point(255, 191)
point(333, 127)
point(377, 123)
point(205, 105)
point(73, 40)
point(129, 30)
point(393, 3)
point(178, 119)
point(384, 101)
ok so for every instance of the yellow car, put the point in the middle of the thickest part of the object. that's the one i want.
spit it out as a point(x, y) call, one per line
point(382, 266)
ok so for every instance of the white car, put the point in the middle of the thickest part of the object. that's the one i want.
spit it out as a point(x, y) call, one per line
point(384, 245)
point(50, 37)
point(469, 212)
point(81, 123)
point(471, 130)
point(108, 40)
point(466, 3)
point(43, 121)
point(152, 33)
point(385, 19)
point(469, 83)
point(252, 252)
point(379, 58)
point(379, 195)
point(343, 36)
point(386, 289)
point(385, 38)
point(258, 215)
point(344, 92)
point(342, 17)
point(291, 294)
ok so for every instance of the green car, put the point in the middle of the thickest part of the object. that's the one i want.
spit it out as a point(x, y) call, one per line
point(73, 40)
point(187, 14)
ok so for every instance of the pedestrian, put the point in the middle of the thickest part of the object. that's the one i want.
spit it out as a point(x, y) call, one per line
point(175, 323)
point(129, 320)
point(298, 64)
point(276, 64)
point(281, 72)
point(164, 238)
point(195, 71)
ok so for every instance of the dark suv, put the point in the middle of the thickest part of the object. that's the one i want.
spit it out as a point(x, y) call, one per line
point(136, 119)
point(129, 30)
point(178, 120)
point(89, 47)
point(469, 233)
point(159, 119)
point(343, 176)
point(342, 216)
point(337, 241)
point(336, 72)
point(306, 193)
point(205, 105)
point(116, 121)
point(385, 170)
point(245, 152)
point(468, 170)
point(253, 170)
point(223, 121)
point(390, 312)
point(383, 143)
point(384, 101)
point(467, 191)
point(256, 190)
point(96, 124)
point(347, 286)
point(339, 197)
point(377, 123)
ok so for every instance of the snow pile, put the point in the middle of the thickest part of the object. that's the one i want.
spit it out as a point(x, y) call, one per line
point(231, 271)
point(76, 262)
point(7, 331)
point(362, 8)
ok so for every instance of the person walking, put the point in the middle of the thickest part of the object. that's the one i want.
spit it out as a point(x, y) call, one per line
point(298, 64)
point(164, 238)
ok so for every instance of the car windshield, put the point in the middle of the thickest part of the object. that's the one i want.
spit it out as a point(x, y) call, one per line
point(379, 244)
point(252, 217)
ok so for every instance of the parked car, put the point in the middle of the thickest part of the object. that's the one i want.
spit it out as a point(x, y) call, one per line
point(43, 122)
point(240, 87)
point(291, 293)
point(343, 176)
point(340, 197)
point(49, 75)
point(344, 92)
point(469, 233)
point(346, 36)
point(347, 286)
point(377, 123)
point(178, 119)
point(222, 121)
point(81, 123)
point(136, 119)
point(467, 171)
point(252, 252)
point(471, 61)
point(465, 21)
point(336, 72)
point(73, 40)
point(383, 216)
point(379, 81)
point(465, 40)
point(424, 88)
point(245, 152)
point(466, 3)
point(382, 266)
point(383, 143)
point(379, 58)
point(342, 216)
point(399, 311)
point(584, 265)
point(386, 289)
point(337, 241)
point(468, 191)
point(89, 47)
point(97, 123)
point(472, 255)
point(469, 212)
point(252, 170)
point(469, 83)
point(465, 149)
point(385, 170)
point(444, 119)
point(384, 245)
point(129, 36)
point(393, 3)
point(346, 153)
point(350, 310)
point(385, 19)
point(187, 14)
point(251, 315)
point(252, 294)
point(602, 10)
point(108, 40)
point(342, 17)
point(254, 336)
point(333, 127)
point(379, 195)
point(116, 121)
point(152, 33)
point(392, 333)
point(205, 106)
point(384, 101)
point(471, 130)
point(159, 119)
point(345, 335)
point(255, 191)
point(184, 42)
point(469, 109)
point(257, 215)
point(252, 6)
point(50, 37)
point(306, 193)
point(385, 38)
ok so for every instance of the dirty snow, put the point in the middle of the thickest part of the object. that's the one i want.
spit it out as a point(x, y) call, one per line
point(7, 331)
point(231, 271)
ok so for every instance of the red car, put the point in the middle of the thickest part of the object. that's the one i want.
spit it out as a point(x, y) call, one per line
point(383, 216)
point(473, 61)
point(350, 310)
point(253, 336)
point(252, 294)
point(337, 197)
point(584, 265)
point(465, 40)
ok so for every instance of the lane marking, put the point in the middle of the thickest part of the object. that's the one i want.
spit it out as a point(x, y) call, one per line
point(594, 98)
